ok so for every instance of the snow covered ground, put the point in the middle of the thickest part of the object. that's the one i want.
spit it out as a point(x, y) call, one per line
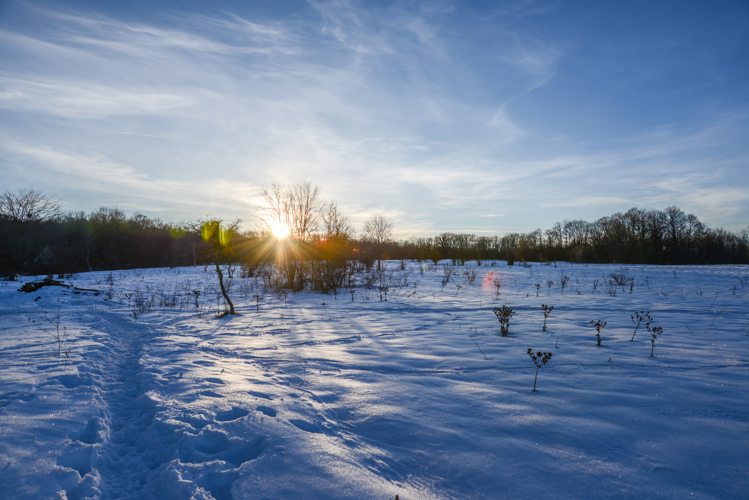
point(321, 397)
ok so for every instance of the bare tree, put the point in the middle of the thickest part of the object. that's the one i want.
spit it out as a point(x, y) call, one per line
point(28, 205)
point(675, 223)
point(296, 207)
point(335, 224)
point(378, 230)
point(22, 213)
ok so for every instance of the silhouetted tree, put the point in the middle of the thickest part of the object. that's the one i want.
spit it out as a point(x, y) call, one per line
point(378, 230)
point(22, 216)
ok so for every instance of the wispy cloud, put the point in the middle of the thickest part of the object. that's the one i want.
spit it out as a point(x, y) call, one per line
point(421, 113)
point(77, 100)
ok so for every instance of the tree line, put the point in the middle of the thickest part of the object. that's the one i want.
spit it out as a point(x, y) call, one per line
point(665, 237)
point(321, 246)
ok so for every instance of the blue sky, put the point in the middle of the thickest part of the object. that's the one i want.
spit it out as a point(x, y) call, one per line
point(483, 117)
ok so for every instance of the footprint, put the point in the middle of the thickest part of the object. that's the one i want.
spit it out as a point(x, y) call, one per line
point(219, 483)
point(90, 433)
point(9, 397)
point(214, 380)
point(260, 395)
point(71, 381)
point(233, 414)
point(243, 451)
point(306, 426)
point(79, 460)
point(210, 442)
point(211, 445)
point(211, 394)
point(266, 411)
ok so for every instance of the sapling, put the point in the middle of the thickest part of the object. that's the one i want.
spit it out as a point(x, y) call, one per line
point(599, 325)
point(549, 283)
point(539, 359)
point(642, 318)
point(538, 286)
point(654, 332)
point(220, 250)
point(257, 298)
point(59, 336)
point(504, 315)
point(547, 311)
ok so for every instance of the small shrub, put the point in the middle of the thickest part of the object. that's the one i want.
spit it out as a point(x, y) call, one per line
point(547, 311)
point(471, 273)
point(60, 336)
point(143, 303)
point(539, 359)
point(599, 326)
point(249, 270)
point(654, 332)
point(620, 278)
point(641, 317)
point(504, 315)
point(743, 282)
point(257, 298)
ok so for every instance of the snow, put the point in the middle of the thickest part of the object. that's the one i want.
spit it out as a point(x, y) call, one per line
point(322, 397)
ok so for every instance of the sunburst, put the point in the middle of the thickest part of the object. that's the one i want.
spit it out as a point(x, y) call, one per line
point(280, 231)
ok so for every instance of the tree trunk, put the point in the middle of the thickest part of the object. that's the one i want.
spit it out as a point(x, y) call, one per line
point(223, 290)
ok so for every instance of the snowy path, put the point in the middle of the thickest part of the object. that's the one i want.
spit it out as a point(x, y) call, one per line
point(129, 453)
point(144, 453)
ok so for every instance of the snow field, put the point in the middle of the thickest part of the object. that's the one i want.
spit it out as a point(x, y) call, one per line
point(370, 398)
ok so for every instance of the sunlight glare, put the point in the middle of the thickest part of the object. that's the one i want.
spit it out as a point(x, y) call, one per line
point(280, 231)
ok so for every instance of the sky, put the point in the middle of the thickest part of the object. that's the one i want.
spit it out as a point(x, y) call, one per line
point(482, 117)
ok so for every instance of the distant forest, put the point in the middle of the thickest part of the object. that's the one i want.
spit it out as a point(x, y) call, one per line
point(35, 238)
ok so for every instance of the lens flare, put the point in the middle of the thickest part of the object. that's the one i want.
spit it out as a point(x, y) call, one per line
point(488, 282)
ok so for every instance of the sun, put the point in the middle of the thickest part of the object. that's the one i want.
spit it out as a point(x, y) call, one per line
point(280, 231)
